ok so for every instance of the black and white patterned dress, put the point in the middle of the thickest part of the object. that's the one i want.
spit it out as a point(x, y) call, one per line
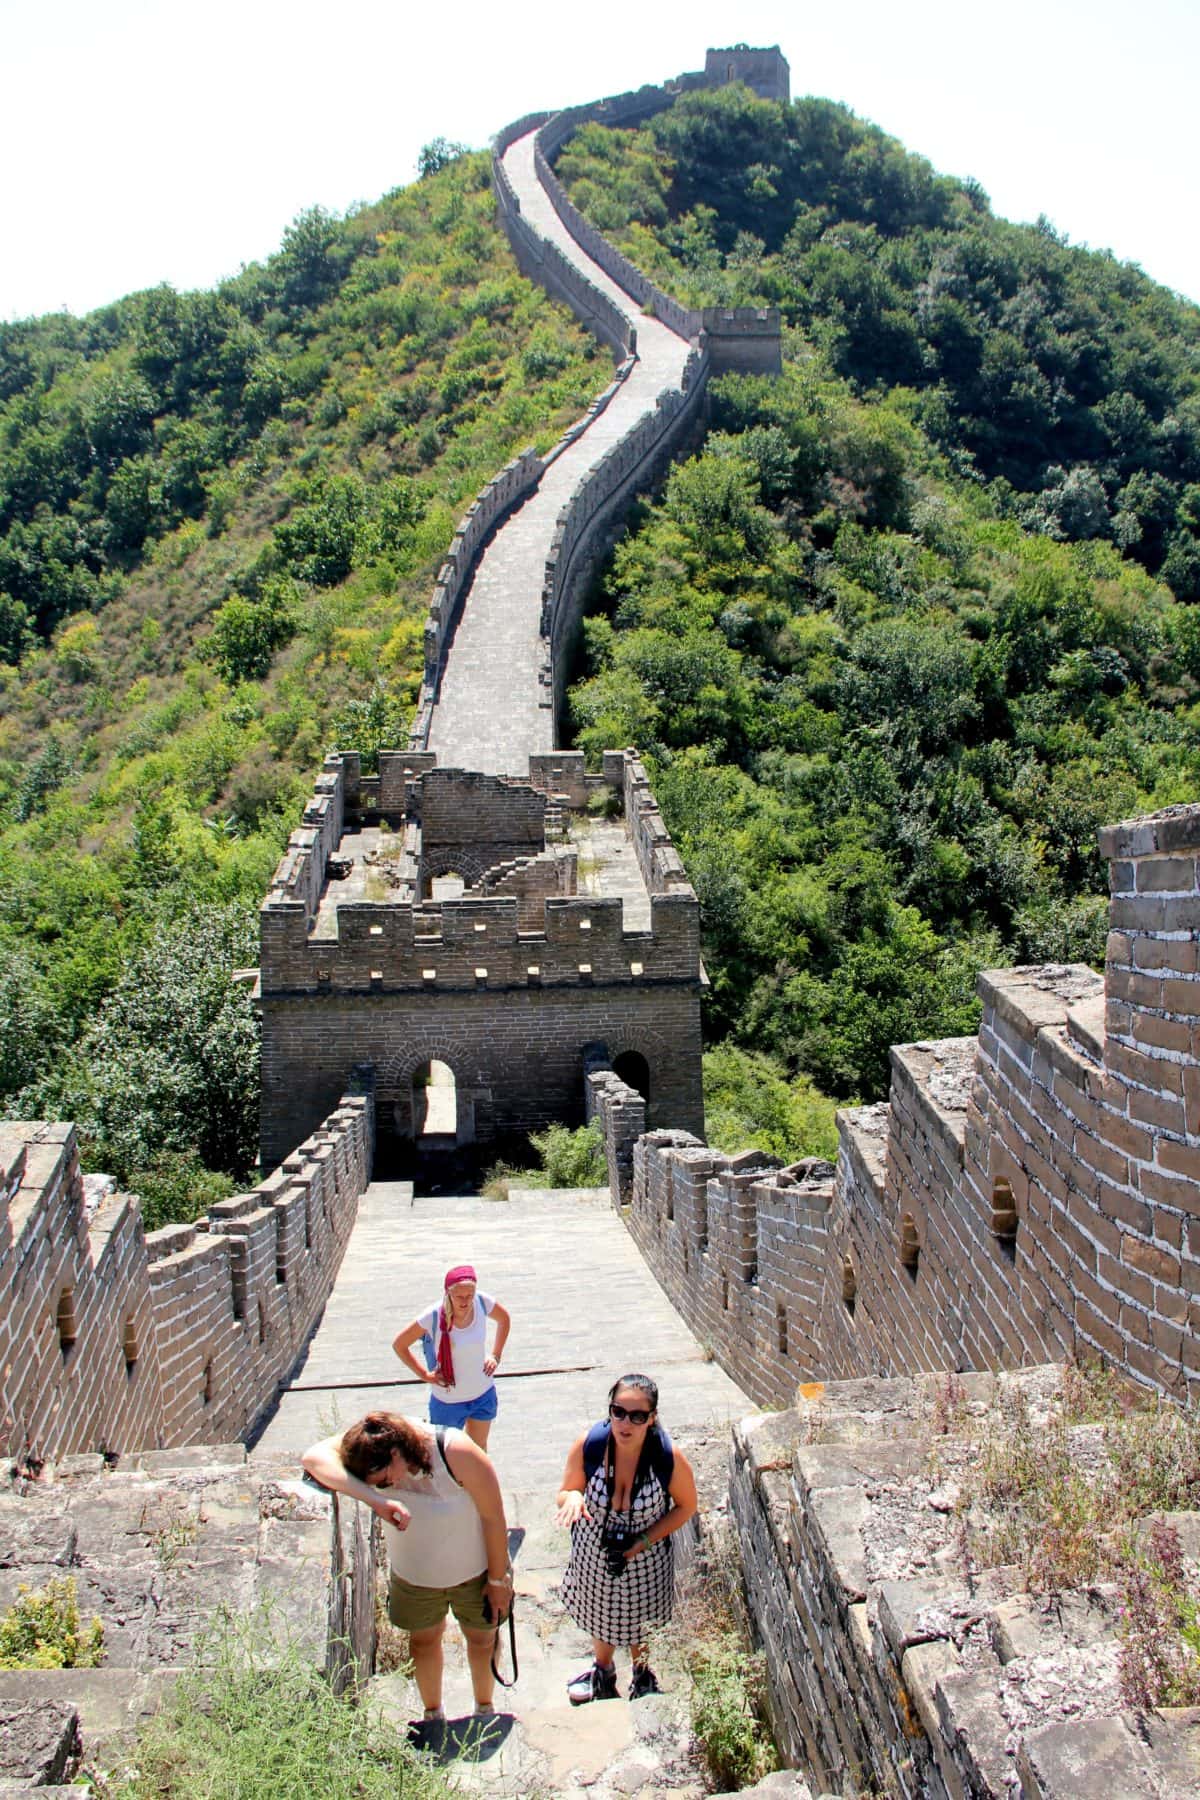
point(623, 1609)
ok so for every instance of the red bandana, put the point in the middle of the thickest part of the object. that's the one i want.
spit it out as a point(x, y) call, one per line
point(445, 1355)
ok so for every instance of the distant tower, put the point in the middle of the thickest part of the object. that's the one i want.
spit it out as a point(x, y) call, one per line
point(766, 71)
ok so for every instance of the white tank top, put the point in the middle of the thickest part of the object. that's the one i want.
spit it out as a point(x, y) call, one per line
point(468, 1346)
point(443, 1543)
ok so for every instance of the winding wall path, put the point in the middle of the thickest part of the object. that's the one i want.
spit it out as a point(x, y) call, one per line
point(493, 709)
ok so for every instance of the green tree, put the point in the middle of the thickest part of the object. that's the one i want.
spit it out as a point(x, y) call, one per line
point(171, 1062)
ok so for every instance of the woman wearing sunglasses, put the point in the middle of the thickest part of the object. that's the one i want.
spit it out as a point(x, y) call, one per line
point(624, 1491)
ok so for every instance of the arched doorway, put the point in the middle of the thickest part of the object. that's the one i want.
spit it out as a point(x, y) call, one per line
point(450, 886)
point(633, 1069)
point(434, 1100)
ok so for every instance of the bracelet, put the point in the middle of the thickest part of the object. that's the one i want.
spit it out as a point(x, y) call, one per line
point(647, 1540)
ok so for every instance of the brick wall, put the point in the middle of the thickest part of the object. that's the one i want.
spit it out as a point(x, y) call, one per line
point(766, 71)
point(114, 1338)
point(517, 1053)
point(507, 985)
point(1024, 1195)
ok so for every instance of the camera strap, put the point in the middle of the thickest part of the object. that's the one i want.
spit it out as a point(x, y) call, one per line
point(439, 1433)
point(512, 1648)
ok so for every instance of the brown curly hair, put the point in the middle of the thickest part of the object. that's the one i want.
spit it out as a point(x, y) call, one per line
point(368, 1447)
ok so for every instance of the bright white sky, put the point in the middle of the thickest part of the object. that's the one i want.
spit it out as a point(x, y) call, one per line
point(153, 140)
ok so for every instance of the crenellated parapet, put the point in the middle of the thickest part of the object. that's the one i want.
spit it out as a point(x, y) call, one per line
point(583, 529)
point(115, 1338)
point(659, 861)
point(458, 932)
point(1027, 1194)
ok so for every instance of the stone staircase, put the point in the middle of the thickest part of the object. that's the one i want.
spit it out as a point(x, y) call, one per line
point(158, 1548)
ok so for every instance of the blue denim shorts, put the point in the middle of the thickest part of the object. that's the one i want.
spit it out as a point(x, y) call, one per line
point(457, 1412)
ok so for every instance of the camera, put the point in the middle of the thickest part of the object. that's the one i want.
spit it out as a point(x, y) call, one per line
point(614, 1556)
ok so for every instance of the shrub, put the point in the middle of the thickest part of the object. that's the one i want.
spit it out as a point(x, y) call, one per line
point(725, 1683)
point(43, 1630)
point(570, 1158)
point(175, 1188)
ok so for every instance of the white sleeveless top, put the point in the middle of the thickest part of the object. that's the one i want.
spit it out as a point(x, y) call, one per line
point(443, 1543)
point(468, 1346)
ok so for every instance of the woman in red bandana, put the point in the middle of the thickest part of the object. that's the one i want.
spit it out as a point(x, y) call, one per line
point(463, 1371)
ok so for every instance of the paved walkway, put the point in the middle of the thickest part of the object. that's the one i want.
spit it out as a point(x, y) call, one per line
point(585, 1309)
point(489, 714)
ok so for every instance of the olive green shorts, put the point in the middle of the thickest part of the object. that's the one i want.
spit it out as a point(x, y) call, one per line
point(412, 1608)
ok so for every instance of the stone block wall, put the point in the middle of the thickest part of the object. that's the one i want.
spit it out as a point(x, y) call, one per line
point(114, 1338)
point(543, 262)
point(1025, 1195)
point(766, 71)
point(891, 1669)
point(506, 985)
point(659, 861)
point(300, 874)
point(532, 880)
point(486, 819)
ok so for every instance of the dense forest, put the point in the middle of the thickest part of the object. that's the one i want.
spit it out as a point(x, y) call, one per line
point(914, 621)
point(220, 518)
point(917, 618)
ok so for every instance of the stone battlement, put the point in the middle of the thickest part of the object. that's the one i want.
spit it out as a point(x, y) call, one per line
point(1030, 1193)
point(895, 1666)
point(115, 1338)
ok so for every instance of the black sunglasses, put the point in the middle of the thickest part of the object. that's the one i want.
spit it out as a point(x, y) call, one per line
point(635, 1415)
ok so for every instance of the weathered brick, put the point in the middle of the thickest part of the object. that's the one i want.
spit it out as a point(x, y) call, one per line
point(1160, 1264)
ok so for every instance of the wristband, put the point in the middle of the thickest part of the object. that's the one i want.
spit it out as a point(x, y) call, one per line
point(647, 1540)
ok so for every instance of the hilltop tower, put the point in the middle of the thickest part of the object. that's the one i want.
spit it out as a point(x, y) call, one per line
point(765, 71)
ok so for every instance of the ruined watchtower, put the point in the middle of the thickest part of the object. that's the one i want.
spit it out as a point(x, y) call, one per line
point(470, 936)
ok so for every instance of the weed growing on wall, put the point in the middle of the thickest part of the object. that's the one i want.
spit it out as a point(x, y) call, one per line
point(705, 1647)
point(568, 1159)
point(1080, 1494)
point(42, 1629)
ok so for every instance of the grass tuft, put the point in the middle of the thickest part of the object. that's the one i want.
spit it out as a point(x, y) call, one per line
point(257, 1722)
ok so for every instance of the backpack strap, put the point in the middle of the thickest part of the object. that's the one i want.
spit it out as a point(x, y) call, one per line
point(662, 1455)
point(439, 1432)
point(594, 1446)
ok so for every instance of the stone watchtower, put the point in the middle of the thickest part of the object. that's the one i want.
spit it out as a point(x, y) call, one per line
point(765, 71)
point(470, 937)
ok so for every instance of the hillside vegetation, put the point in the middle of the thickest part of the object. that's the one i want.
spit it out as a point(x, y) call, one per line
point(915, 622)
point(220, 518)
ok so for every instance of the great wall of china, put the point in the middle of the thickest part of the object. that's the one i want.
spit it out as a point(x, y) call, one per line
point(1024, 1196)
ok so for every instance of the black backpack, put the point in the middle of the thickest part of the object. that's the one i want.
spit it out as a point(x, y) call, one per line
point(658, 1454)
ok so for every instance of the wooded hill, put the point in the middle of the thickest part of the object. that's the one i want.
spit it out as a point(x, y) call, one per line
point(220, 518)
point(917, 620)
point(910, 627)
